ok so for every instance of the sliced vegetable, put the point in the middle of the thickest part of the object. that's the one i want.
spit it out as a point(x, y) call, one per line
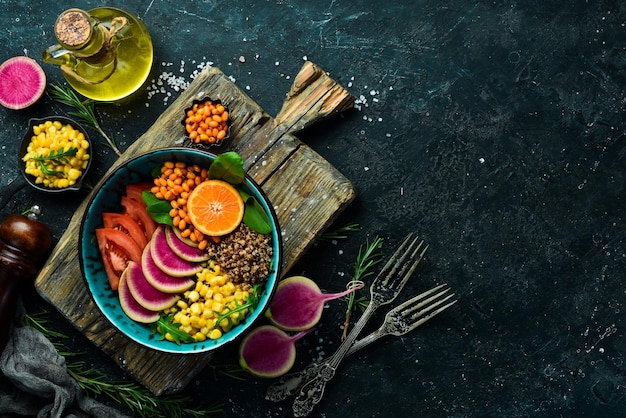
point(268, 351)
point(161, 280)
point(127, 225)
point(131, 307)
point(138, 212)
point(167, 260)
point(144, 293)
point(117, 249)
point(184, 248)
point(298, 303)
point(22, 82)
point(134, 191)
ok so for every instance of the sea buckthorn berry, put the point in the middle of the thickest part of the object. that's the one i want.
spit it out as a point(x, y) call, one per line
point(207, 122)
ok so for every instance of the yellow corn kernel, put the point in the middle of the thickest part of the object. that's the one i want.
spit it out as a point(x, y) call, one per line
point(196, 308)
point(215, 334)
point(185, 321)
point(217, 306)
point(198, 336)
point(193, 296)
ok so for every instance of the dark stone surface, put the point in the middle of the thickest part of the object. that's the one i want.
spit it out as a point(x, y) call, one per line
point(493, 129)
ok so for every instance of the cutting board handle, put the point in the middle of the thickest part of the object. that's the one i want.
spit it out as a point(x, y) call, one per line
point(313, 96)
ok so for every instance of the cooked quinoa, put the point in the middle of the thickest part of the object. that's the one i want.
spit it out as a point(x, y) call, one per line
point(244, 254)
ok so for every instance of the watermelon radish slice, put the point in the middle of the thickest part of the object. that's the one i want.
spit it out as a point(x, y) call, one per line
point(131, 307)
point(22, 82)
point(144, 293)
point(159, 279)
point(184, 248)
point(268, 351)
point(298, 303)
point(167, 260)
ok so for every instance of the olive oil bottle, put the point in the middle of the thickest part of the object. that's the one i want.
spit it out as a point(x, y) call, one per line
point(105, 54)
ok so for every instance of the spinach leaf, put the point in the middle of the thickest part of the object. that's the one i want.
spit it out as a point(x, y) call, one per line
point(229, 167)
point(254, 216)
point(158, 209)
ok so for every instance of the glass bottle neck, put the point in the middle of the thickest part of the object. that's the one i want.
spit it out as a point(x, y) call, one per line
point(80, 33)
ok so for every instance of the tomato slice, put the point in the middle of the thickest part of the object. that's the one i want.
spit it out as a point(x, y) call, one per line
point(139, 215)
point(134, 191)
point(116, 248)
point(127, 225)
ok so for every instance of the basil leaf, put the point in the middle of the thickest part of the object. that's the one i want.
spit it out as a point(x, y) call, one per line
point(229, 167)
point(254, 216)
point(158, 209)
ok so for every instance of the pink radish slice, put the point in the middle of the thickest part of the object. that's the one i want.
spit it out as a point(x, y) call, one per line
point(184, 248)
point(298, 303)
point(131, 307)
point(22, 82)
point(144, 293)
point(167, 260)
point(268, 351)
point(161, 280)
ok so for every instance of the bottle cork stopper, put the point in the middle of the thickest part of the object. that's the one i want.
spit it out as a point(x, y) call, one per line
point(73, 28)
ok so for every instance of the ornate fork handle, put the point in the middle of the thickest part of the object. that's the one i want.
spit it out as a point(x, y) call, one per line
point(312, 392)
point(292, 382)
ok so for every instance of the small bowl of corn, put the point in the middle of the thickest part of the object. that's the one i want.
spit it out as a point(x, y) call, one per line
point(55, 154)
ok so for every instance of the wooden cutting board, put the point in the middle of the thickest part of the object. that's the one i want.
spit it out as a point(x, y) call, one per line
point(306, 191)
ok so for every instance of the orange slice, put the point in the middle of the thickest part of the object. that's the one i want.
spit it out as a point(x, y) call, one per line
point(215, 207)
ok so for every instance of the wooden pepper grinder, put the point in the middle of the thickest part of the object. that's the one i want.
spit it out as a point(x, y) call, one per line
point(24, 242)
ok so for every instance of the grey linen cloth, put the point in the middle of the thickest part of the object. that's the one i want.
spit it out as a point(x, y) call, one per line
point(35, 381)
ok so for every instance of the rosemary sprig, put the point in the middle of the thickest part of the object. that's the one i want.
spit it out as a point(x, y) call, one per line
point(366, 259)
point(137, 399)
point(57, 157)
point(85, 110)
point(340, 232)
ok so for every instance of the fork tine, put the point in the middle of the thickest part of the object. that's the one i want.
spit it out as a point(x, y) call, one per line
point(392, 262)
point(433, 314)
point(409, 307)
point(422, 300)
point(404, 260)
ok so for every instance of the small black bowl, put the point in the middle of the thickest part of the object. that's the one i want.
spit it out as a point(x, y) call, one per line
point(205, 145)
point(30, 179)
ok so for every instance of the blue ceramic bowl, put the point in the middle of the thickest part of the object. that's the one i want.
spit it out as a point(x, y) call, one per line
point(106, 199)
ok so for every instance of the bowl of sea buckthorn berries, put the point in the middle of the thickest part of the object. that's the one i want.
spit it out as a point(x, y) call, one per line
point(55, 154)
point(207, 123)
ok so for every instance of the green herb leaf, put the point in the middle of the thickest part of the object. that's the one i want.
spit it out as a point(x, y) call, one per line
point(58, 157)
point(254, 216)
point(84, 110)
point(251, 304)
point(366, 259)
point(158, 209)
point(228, 167)
point(139, 400)
point(166, 324)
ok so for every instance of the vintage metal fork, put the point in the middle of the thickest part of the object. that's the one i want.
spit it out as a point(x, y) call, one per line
point(384, 289)
point(401, 320)
point(397, 321)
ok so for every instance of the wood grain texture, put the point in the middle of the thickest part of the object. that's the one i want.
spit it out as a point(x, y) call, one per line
point(306, 191)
